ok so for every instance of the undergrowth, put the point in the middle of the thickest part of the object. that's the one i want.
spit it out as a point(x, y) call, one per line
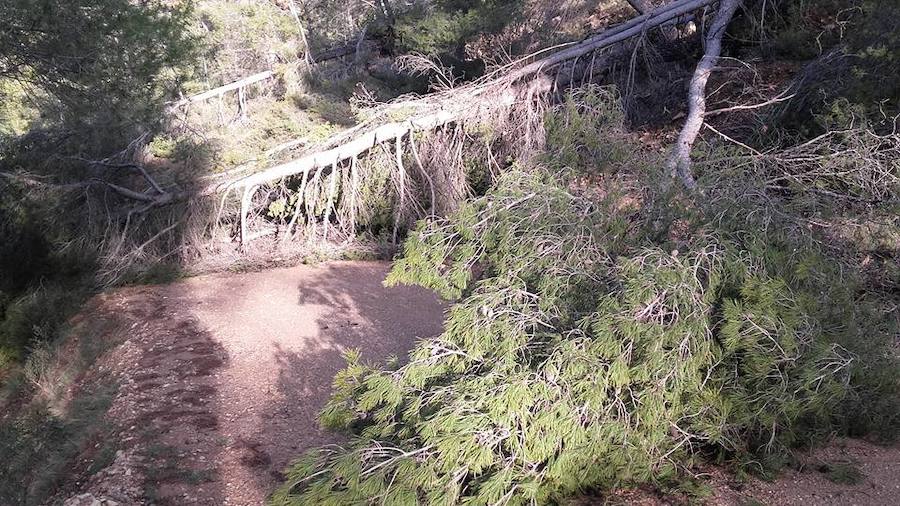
point(41, 448)
point(54, 414)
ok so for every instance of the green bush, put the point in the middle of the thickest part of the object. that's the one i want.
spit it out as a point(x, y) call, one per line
point(39, 285)
point(40, 448)
point(243, 38)
point(17, 110)
point(25, 251)
point(127, 55)
point(443, 28)
point(844, 473)
point(35, 317)
point(856, 58)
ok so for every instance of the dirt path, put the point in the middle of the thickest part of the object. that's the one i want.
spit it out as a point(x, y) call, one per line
point(222, 376)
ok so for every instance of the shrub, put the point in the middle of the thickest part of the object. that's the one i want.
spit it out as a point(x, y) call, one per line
point(25, 251)
point(443, 28)
point(244, 38)
point(128, 53)
point(35, 317)
point(17, 110)
point(585, 132)
point(40, 448)
point(844, 473)
point(852, 82)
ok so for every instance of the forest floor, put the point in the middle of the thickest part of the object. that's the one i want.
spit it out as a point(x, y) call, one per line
point(219, 380)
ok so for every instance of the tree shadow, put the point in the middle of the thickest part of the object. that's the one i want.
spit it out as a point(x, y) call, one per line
point(351, 310)
point(171, 383)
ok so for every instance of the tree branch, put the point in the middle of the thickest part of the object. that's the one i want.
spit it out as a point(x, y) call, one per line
point(679, 163)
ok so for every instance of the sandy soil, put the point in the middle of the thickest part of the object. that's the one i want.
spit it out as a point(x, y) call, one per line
point(879, 483)
point(806, 484)
point(222, 376)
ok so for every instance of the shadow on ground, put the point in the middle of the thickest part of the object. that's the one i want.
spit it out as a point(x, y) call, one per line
point(275, 340)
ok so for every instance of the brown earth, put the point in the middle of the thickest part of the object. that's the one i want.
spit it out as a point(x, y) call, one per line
point(812, 481)
point(221, 377)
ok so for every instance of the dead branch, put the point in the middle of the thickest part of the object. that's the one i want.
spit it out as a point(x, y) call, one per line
point(221, 90)
point(246, 199)
point(307, 56)
point(679, 163)
point(130, 165)
point(781, 97)
point(329, 204)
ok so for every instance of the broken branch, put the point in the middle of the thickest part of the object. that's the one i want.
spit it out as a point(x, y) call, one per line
point(679, 163)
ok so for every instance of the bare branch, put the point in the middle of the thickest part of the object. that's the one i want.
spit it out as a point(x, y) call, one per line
point(782, 97)
point(237, 85)
point(679, 163)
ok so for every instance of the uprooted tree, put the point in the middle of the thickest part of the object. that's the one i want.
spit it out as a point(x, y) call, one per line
point(514, 92)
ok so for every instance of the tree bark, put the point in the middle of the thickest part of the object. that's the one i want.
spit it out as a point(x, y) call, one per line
point(670, 33)
point(679, 163)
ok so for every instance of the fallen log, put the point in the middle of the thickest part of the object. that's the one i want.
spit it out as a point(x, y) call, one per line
point(221, 90)
point(497, 88)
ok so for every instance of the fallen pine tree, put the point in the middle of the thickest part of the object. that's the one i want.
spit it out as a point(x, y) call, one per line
point(495, 95)
point(600, 340)
point(586, 359)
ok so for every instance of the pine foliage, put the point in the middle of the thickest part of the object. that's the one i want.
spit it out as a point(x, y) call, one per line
point(574, 359)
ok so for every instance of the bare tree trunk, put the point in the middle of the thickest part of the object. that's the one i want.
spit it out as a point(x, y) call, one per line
point(307, 55)
point(216, 92)
point(387, 11)
point(679, 163)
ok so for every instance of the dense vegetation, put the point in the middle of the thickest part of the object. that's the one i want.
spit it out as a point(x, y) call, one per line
point(606, 343)
point(608, 327)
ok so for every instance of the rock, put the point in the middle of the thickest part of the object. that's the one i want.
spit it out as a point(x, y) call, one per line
point(79, 500)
